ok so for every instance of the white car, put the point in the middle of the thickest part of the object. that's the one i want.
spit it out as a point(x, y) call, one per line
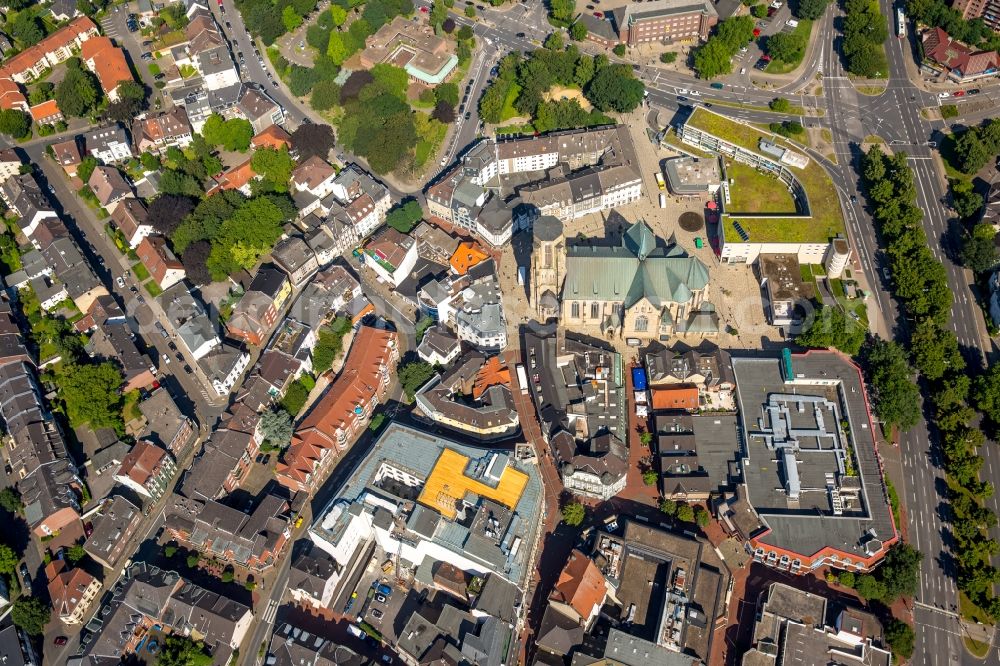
point(120, 282)
point(166, 359)
point(683, 91)
point(695, 93)
point(944, 94)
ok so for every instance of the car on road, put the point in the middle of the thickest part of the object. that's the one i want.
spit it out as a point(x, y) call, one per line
point(166, 359)
point(377, 614)
point(886, 274)
point(267, 458)
point(147, 56)
point(228, 24)
point(187, 369)
point(520, 35)
point(133, 289)
point(25, 576)
point(381, 598)
point(973, 91)
point(120, 282)
point(160, 77)
point(854, 199)
point(959, 93)
point(274, 83)
point(599, 14)
point(717, 85)
point(771, 12)
point(468, 114)
point(942, 95)
point(143, 300)
point(60, 640)
point(590, 7)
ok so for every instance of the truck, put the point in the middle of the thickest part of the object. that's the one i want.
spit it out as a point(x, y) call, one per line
point(522, 378)
point(660, 183)
point(522, 274)
point(663, 200)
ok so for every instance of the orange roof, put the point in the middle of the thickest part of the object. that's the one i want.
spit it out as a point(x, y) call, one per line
point(272, 137)
point(236, 177)
point(466, 256)
point(581, 585)
point(11, 96)
point(110, 65)
point(682, 397)
point(59, 39)
point(357, 384)
point(490, 374)
point(44, 110)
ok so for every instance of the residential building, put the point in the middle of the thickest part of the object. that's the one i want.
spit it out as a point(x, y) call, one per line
point(333, 423)
point(190, 320)
point(439, 346)
point(131, 218)
point(109, 144)
point(146, 598)
point(314, 177)
point(46, 113)
point(206, 51)
point(224, 365)
point(272, 136)
point(810, 412)
point(67, 154)
point(63, 10)
point(795, 624)
point(251, 539)
point(579, 394)
point(580, 591)
point(163, 265)
point(166, 426)
point(258, 309)
point(109, 186)
point(72, 591)
point(108, 63)
point(413, 45)
point(471, 508)
point(70, 267)
point(114, 527)
point(987, 10)
point(157, 133)
point(257, 107)
point(292, 646)
point(359, 201)
point(16, 646)
point(294, 256)
point(330, 292)
point(472, 398)
point(392, 255)
point(24, 196)
point(959, 62)
point(225, 459)
point(238, 178)
point(10, 164)
point(312, 577)
point(147, 469)
point(35, 60)
point(114, 341)
point(11, 96)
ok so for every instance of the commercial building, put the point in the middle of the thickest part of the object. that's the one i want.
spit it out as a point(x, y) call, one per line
point(698, 454)
point(806, 231)
point(392, 255)
point(477, 311)
point(312, 577)
point(428, 500)
point(579, 395)
point(294, 646)
point(644, 288)
point(959, 62)
point(166, 426)
point(472, 398)
point(294, 256)
point(788, 297)
point(223, 366)
point(824, 501)
point(693, 176)
point(342, 412)
point(413, 46)
point(665, 21)
point(799, 625)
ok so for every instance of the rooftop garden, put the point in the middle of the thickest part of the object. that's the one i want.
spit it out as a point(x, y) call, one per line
point(756, 192)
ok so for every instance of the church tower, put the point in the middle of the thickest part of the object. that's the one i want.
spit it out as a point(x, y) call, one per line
point(548, 258)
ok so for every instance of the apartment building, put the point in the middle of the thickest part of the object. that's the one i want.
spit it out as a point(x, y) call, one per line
point(58, 47)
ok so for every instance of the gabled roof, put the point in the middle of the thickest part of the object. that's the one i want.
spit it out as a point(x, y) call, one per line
point(581, 585)
point(942, 49)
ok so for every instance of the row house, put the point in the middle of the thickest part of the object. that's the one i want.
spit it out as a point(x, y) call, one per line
point(226, 456)
point(294, 256)
point(343, 411)
point(109, 144)
point(58, 47)
point(157, 133)
point(258, 309)
point(71, 591)
point(11, 95)
point(147, 469)
point(224, 366)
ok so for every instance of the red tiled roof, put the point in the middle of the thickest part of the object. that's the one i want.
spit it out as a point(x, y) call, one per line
point(40, 112)
point(57, 40)
point(685, 397)
point(235, 178)
point(272, 137)
point(110, 65)
point(11, 96)
point(942, 49)
point(581, 585)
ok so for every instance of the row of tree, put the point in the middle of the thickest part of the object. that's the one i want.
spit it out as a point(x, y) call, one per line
point(270, 19)
point(864, 31)
point(714, 57)
point(920, 283)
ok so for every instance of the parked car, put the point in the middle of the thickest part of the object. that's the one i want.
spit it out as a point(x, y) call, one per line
point(973, 91)
point(959, 93)
point(943, 95)
point(717, 85)
point(381, 598)
point(377, 614)
point(383, 589)
point(160, 77)
point(120, 282)
point(187, 369)
point(25, 576)
point(166, 359)
point(60, 640)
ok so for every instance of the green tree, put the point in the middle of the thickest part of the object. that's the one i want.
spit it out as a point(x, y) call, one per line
point(338, 14)
point(15, 123)
point(786, 46)
point(712, 59)
point(248, 233)
point(562, 11)
point(668, 506)
point(8, 559)
point(574, 513)
point(295, 398)
point(810, 9)
point(869, 587)
point(41, 93)
point(325, 95)
point(668, 57)
point(987, 392)
point(275, 166)
point(276, 427)
point(685, 513)
point(964, 198)
point(228, 576)
point(897, 397)
point(701, 517)
point(470, 11)
point(329, 344)
point(169, 550)
point(234, 134)
point(555, 41)
point(91, 395)
point(780, 104)
point(619, 50)
point(414, 374)
point(405, 216)
point(846, 578)
point(899, 636)
point(27, 29)
point(650, 477)
point(180, 650)
point(935, 350)
point(578, 32)
point(75, 553)
point(77, 93)
point(614, 88)
point(290, 19)
point(31, 615)
point(831, 327)
point(10, 500)
point(759, 11)
point(192, 560)
point(446, 92)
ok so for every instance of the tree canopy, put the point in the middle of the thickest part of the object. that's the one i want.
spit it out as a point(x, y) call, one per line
point(405, 216)
point(232, 134)
point(896, 395)
point(573, 514)
point(31, 615)
point(78, 93)
point(15, 123)
point(91, 394)
point(831, 327)
point(313, 140)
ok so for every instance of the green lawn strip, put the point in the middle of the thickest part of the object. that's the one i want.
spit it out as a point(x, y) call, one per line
point(757, 192)
point(152, 288)
point(140, 271)
point(793, 110)
point(975, 648)
point(971, 611)
point(509, 111)
point(509, 130)
point(804, 28)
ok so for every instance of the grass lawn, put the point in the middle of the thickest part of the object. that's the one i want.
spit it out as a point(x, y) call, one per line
point(130, 408)
point(971, 611)
point(513, 130)
point(977, 649)
point(431, 135)
point(804, 28)
point(140, 271)
point(153, 288)
point(756, 192)
point(509, 111)
point(947, 149)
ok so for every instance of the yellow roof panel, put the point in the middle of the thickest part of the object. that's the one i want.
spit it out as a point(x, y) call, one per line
point(447, 484)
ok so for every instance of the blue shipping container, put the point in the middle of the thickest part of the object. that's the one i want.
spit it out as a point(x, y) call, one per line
point(639, 379)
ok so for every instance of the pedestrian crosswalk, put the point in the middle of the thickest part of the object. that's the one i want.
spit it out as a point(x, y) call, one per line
point(270, 612)
point(108, 27)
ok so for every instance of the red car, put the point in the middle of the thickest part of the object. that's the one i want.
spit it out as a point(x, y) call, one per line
point(220, 3)
point(598, 14)
point(61, 640)
point(959, 93)
point(756, 32)
point(422, 9)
